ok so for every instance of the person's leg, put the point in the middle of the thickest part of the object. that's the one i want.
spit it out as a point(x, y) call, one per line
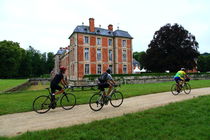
point(177, 79)
point(52, 94)
point(101, 87)
point(60, 90)
point(109, 90)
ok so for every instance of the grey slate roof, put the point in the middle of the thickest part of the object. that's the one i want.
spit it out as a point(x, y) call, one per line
point(120, 33)
point(135, 62)
point(59, 52)
point(101, 31)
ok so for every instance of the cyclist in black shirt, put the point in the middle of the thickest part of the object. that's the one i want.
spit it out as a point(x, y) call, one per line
point(54, 85)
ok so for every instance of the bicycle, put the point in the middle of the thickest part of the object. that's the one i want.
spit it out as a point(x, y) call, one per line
point(185, 86)
point(98, 100)
point(43, 103)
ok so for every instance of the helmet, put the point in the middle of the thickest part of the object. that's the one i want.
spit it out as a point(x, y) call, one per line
point(109, 71)
point(183, 69)
point(62, 68)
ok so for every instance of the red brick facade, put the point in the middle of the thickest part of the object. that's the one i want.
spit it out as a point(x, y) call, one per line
point(93, 52)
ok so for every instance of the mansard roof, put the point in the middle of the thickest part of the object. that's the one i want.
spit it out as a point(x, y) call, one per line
point(101, 31)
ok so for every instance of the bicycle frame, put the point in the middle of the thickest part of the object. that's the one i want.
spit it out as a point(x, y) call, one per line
point(61, 94)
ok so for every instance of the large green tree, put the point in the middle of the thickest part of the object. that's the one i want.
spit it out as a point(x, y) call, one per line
point(204, 62)
point(17, 62)
point(171, 48)
point(10, 58)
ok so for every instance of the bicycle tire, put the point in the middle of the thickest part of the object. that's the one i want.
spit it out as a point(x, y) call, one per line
point(68, 101)
point(41, 104)
point(96, 102)
point(174, 89)
point(187, 88)
point(116, 99)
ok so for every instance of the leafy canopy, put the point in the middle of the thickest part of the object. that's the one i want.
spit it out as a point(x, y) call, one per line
point(171, 48)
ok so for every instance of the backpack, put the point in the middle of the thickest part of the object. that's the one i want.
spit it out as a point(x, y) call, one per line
point(103, 77)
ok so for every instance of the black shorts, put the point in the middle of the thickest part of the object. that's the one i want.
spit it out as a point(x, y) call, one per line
point(101, 86)
point(55, 87)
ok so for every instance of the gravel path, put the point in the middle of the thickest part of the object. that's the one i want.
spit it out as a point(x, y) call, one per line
point(18, 123)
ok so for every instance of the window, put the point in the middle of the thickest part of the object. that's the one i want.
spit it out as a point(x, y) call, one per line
point(86, 40)
point(86, 68)
point(86, 53)
point(98, 54)
point(110, 55)
point(110, 42)
point(98, 41)
point(124, 55)
point(99, 69)
point(124, 43)
point(110, 67)
point(124, 69)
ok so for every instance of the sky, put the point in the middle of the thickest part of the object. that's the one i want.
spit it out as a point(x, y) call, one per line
point(46, 24)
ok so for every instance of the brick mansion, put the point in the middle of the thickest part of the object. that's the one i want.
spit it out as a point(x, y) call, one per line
point(92, 50)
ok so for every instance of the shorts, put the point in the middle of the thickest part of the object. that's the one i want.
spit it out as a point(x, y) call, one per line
point(101, 86)
point(177, 79)
point(55, 87)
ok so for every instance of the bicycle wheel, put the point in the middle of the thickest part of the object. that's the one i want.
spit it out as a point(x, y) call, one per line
point(41, 104)
point(96, 102)
point(174, 89)
point(68, 101)
point(116, 99)
point(187, 88)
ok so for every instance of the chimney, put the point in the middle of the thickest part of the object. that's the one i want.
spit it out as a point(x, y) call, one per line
point(110, 27)
point(91, 24)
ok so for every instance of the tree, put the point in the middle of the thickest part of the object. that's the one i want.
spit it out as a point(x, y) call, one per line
point(139, 57)
point(50, 61)
point(171, 48)
point(10, 56)
point(204, 62)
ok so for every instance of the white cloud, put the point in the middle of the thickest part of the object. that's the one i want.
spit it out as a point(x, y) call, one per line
point(47, 24)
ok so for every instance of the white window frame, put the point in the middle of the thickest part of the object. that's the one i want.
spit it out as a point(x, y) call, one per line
point(87, 69)
point(99, 68)
point(110, 55)
point(99, 57)
point(98, 41)
point(111, 68)
point(86, 40)
point(123, 43)
point(110, 42)
point(86, 54)
point(124, 55)
point(124, 68)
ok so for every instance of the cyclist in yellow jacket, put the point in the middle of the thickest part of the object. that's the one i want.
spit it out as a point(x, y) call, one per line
point(180, 77)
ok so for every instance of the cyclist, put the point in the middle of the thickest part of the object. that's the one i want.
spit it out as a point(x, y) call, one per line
point(180, 77)
point(106, 81)
point(54, 84)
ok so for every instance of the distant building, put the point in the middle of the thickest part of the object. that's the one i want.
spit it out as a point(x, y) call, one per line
point(136, 66)
point(93, 49)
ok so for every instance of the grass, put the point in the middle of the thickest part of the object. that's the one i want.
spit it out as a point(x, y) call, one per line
point(187, 120)
point(6, 84)
point(22, 101)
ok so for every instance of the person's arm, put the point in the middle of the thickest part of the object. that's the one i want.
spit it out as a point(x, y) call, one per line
point(186, 76)
point(63, 82)
point(113, 82)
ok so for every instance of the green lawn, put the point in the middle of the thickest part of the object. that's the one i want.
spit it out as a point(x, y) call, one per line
point(6, 84)
point(187, 120)
point(22, 101)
